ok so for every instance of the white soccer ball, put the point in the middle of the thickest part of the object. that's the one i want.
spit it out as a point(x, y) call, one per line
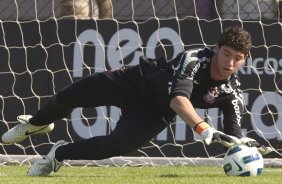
point(242, 160)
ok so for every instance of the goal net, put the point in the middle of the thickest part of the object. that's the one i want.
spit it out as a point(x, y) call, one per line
point(46, 45)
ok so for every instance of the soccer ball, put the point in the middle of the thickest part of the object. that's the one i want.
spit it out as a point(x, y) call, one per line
point(242, 160)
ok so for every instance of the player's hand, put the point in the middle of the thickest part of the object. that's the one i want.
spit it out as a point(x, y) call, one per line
point(264, 150)
point(211, 135)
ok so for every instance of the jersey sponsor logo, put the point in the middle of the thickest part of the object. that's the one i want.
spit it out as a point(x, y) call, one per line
point(237, 110)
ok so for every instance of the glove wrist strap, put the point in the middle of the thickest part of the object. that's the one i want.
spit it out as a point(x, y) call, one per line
point(200, 127)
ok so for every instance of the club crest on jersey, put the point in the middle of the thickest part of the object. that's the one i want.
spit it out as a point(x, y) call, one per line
point(211, 96)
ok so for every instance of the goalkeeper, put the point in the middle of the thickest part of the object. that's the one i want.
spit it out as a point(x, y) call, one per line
point(149, 95)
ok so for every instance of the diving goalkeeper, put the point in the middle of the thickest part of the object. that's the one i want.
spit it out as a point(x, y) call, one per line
point(150, 95)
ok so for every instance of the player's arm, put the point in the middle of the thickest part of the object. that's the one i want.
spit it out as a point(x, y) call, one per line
point(186, 66)
point(183, 107)
point(232, 110)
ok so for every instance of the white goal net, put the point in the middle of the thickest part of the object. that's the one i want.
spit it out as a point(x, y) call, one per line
point(45, 45)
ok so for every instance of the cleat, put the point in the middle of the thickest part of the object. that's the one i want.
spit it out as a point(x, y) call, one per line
point(47, 164)
point(21, 131)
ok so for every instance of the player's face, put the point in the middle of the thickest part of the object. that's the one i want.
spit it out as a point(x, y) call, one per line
point(225, 62)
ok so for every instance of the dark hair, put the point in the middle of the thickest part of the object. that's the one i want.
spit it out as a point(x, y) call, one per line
point(236, 38)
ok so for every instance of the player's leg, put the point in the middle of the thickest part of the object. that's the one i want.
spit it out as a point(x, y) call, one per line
point(46, 165)
point(100, 89)
point(133, 130)
point(107, 88)
point(131, 133)
point(110, 88)
point(24, 129)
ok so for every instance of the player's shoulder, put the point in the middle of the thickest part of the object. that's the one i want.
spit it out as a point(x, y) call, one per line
point(192, 58)
point(201, 54)
point(205, 53)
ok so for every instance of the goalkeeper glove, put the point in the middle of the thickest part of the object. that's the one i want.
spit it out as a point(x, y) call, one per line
point(264, 150)
point(211, 135)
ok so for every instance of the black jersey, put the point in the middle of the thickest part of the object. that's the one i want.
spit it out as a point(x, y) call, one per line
point(189, 75)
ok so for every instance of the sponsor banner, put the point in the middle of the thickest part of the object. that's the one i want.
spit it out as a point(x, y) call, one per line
point(40, 58)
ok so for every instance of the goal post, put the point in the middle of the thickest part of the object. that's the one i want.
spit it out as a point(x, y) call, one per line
point(43, 50)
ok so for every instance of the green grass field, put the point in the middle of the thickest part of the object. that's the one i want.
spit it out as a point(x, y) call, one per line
point(136, 175)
